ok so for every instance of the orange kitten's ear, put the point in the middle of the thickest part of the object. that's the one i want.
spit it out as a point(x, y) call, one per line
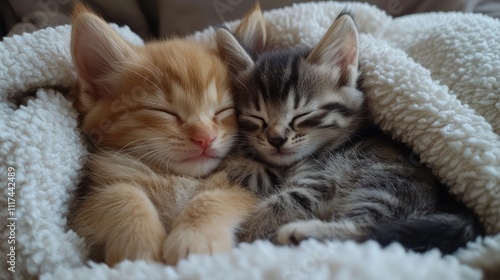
point(96, 50)
point(252, 30)
point(339, 47)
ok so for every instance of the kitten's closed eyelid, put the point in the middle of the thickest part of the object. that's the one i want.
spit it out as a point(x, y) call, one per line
point(224, 113)
point(223, 110)
point(292, 123)
point(166, 111)
point(302, 115)
point(258, 118)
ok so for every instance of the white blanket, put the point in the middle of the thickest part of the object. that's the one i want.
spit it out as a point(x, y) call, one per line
point(432, 81)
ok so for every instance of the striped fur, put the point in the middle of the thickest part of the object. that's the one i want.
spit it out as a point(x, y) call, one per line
point(161, 118)
point(320, 170)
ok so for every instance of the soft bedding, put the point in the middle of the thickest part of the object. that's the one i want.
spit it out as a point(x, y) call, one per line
point(432, 81)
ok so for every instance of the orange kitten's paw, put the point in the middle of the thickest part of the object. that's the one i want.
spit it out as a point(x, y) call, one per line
point(149, 254)
point(182, 243)
point(141, 248)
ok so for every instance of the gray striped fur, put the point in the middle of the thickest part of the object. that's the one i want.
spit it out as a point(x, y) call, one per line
point(320, 169)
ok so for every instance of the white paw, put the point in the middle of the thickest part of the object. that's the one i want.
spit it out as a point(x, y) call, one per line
point(295, 232)
point(181, 243)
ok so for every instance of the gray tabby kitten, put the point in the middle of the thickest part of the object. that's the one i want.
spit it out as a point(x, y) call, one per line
point(320, 170)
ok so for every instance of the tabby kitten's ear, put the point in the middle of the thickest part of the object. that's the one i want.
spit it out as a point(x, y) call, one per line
point(250, 34)
point(339, 48)
point(96, 50)
point(252, 30)
point(232, 51)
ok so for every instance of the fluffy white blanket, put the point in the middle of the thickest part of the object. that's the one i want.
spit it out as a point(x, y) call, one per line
point(432, 81)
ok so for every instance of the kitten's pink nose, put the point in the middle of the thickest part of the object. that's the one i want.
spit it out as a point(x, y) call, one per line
point(204, 140)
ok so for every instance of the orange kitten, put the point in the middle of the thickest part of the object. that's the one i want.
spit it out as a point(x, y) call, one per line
point(161, 117)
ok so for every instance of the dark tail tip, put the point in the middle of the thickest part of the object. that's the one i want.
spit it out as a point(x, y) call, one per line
point(446, 232)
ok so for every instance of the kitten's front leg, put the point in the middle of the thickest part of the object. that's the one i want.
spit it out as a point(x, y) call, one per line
point(287, 206)
point(124, 220)
point(209, 222)
point(261, 180)
point(298, 198)
point(295, 232)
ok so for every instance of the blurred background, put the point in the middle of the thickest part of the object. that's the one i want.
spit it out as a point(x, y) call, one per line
point(165, 18)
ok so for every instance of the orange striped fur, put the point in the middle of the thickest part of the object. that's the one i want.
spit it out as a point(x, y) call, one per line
point(151, 112)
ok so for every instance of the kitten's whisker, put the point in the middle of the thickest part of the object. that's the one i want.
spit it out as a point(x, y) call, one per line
point(154, 157)
point(167, 162)
point(146, 154)
point(131, 144)
point(146, 147)
point(158, 160)
point(162, 159)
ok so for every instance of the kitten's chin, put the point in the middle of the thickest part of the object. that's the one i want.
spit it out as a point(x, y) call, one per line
point(281, 159)
point(195, 167)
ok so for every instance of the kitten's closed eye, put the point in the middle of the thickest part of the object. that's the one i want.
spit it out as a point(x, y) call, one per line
point(252, 122)
point(224, 110)
point(299, 118)
point(223, 113)
point(168, 112)
point(219, 115)
point(339, 108)
point(257, 118)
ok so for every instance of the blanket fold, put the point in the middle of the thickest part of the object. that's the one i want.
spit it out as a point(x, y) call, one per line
point(432, 82)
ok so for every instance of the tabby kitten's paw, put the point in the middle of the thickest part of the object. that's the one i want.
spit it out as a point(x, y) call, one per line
point(181, 243)
point(295, 232)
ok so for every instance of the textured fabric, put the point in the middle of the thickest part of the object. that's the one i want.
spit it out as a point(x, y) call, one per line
point(431, 81)
point(41, 141)
point(180, 17)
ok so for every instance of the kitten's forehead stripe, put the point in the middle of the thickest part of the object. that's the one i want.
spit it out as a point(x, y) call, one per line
point(294, 74)
point(282, 69)
point(260, 78)
point(256, 100)
point(296, 99)
point(287, 75)
point(178, 63)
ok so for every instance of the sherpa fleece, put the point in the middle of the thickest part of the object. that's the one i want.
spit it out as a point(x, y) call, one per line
point(432, 81)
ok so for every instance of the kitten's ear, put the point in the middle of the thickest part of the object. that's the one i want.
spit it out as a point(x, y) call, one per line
point(252, 30)
point(339, 47)
point(96, 50)
point(232, 51)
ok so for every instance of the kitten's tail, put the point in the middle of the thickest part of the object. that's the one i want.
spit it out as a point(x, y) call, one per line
point(446, 232)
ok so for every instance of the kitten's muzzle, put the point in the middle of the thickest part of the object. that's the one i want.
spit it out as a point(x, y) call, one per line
point(202, 139)
point(277, 142)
